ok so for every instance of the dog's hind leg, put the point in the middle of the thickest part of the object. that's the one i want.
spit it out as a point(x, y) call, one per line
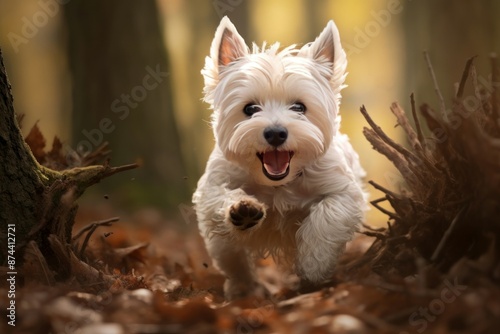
point(324, 233)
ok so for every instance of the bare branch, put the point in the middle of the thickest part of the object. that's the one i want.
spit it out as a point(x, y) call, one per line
point(394, 156)
point(477, 91)
point(106, 222)
point(408, 129)
point(463, 80)
point(436, 86)
point(91, 229)
point(383, 136)
point(417, 122)
point(382, 189)
point(446, 235)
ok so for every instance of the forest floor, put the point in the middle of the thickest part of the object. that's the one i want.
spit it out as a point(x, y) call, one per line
point(165, 283)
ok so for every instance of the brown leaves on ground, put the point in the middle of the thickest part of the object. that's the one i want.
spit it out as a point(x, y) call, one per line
point(61, 158)
point(169, 285)
point(36, 142)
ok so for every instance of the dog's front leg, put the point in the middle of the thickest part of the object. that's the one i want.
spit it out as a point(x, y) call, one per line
point(323, 235)
point(225, 218)
point(224, 238)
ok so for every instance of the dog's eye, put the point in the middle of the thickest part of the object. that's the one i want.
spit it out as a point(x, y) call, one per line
point(251, 109)
point(298, 107)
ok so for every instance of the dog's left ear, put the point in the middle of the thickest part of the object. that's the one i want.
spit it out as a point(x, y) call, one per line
point(327, 48)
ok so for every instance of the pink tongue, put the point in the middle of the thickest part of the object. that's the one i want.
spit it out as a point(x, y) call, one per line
point(276, 162)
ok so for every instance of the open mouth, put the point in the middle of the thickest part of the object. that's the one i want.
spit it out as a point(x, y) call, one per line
point(275, 164)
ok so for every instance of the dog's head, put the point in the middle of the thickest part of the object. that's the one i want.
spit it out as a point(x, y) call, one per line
point(274, 111)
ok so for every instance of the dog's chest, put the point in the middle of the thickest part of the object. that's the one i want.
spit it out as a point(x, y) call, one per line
point(285, 201)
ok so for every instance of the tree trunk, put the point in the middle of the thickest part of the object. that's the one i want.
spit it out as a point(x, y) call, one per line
point(122, 94)
point(22, 180)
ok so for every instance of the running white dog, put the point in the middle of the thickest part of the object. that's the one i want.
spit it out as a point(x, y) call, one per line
point(281, 180)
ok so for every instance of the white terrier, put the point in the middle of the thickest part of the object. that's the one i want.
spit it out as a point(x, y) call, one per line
point(281, 180)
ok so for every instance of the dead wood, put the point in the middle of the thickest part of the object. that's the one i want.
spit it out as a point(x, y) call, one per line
point(451, 201)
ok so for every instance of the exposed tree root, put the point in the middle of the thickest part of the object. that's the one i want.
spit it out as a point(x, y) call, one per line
point(450, 206)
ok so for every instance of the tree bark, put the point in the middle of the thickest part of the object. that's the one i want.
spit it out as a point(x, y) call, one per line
point(22, 180)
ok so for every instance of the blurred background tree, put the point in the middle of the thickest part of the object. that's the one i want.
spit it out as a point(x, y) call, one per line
point(452, 32)
point(112, 43)
point(122, 93)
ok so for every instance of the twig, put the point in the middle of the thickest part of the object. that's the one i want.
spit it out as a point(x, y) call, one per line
point(378, 235)
point(91, 229)
point(436, 86)
point(123, 168)
point(106, 222)
point(403, 121)
point(446, 236)
point(465, 75)
point(381, 209)
point(370, 231)
point(420, 158)
point(417, 122)
point(383, 136)
point(477, 92)
point(98, 154)
point(390, 153)
point(86, 240)
point(382, 189)
point(433, 123)
point(84, 177)
point(371, 228)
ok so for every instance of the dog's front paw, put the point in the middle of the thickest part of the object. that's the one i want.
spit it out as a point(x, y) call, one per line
point(246, 213)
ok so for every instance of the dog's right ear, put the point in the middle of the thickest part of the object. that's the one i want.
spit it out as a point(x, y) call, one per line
point(227, 45)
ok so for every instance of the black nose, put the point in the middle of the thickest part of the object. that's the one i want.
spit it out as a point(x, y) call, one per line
point(275, 135)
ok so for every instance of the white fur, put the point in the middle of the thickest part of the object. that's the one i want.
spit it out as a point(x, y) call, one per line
point(311, 213)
